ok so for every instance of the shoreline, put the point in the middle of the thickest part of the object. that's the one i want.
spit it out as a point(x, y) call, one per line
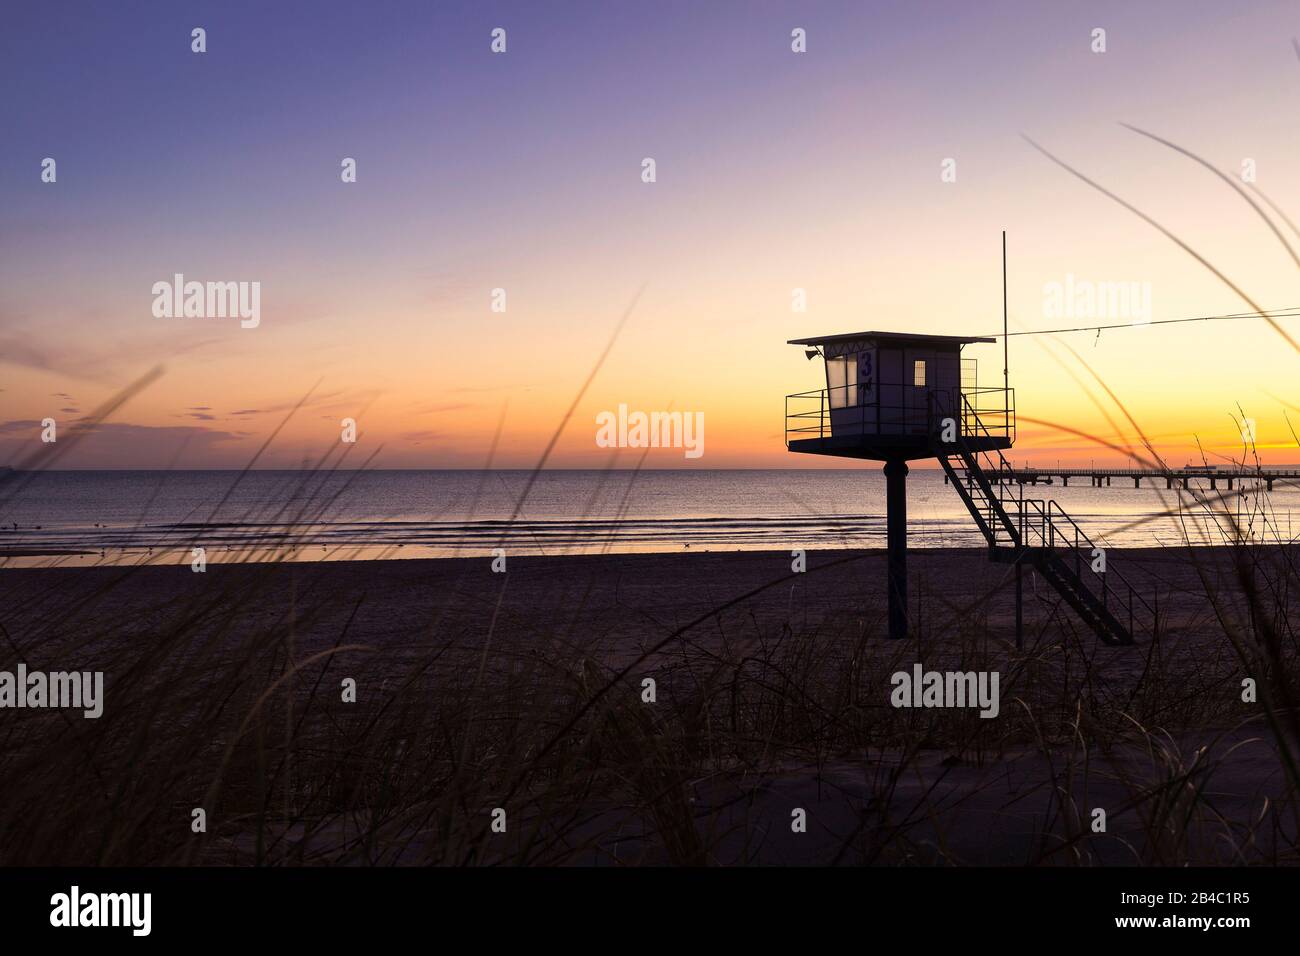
point(406, 553)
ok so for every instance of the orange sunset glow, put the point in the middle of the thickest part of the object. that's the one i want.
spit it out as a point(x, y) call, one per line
point(821, 176)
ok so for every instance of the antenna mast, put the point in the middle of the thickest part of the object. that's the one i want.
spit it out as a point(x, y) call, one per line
point(1006, 378)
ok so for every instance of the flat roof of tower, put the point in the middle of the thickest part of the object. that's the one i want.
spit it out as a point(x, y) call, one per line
point(894, 336)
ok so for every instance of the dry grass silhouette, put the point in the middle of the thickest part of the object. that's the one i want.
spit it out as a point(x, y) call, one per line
point(214, 706)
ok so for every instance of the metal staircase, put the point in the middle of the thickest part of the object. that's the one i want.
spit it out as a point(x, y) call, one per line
point(1038, 532)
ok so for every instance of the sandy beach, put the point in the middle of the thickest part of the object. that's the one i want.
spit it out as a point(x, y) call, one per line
point(607, 603)
point(525, 691)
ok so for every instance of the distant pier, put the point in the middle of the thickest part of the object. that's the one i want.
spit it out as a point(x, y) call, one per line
point(1177, 477)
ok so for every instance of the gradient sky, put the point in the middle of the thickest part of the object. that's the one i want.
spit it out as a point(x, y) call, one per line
point(775, 171)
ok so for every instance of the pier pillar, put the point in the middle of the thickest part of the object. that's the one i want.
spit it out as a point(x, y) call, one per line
point(1108, 481)
point(1270, 484)
point(1066, 480)
point(1229, 484)
point(1137, 482)
point(896, 532)
point(1213, 484)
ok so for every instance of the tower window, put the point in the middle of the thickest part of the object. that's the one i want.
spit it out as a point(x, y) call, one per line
point(842, 378)
point(918, 372)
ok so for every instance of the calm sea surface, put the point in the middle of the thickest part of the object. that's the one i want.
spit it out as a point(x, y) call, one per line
point(87, 517)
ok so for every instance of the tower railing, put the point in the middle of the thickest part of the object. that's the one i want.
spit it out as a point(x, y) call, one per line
point(889, 409)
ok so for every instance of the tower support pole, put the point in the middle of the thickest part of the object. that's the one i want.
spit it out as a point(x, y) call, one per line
point(896, 529)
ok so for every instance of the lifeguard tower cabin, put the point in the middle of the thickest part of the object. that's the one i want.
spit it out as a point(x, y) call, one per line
point(884, 392)
point(897, 397)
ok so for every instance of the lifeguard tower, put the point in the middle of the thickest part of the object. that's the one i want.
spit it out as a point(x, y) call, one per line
point(897, 397)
